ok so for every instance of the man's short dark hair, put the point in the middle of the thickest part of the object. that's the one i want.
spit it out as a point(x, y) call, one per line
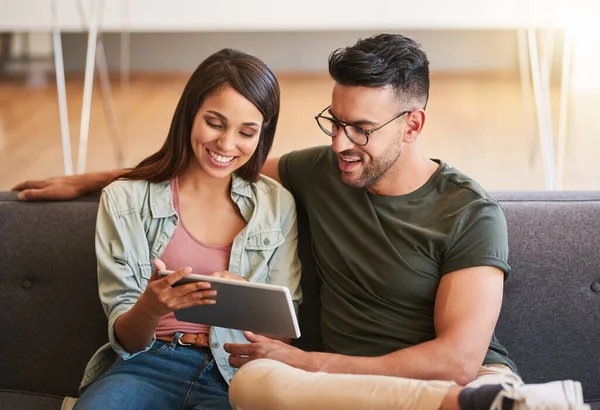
point(384, 60)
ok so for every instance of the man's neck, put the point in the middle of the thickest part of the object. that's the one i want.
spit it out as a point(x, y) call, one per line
point(410, 173)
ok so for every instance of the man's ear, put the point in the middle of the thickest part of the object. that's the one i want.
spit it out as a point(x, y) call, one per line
point(415, 121)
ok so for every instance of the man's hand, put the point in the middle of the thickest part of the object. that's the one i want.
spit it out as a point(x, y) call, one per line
point(262, 347)
point(65, 188)
point(58, 188)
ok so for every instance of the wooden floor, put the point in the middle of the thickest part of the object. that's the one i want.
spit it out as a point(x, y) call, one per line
point(480, 124)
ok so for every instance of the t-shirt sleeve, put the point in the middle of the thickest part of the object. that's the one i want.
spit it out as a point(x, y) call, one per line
point(295, 170)
point(480, 239)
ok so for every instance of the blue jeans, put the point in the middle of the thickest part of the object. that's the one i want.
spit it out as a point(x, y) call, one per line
point(166, 377)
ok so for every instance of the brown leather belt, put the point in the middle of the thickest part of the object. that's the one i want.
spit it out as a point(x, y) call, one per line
point(188, 339)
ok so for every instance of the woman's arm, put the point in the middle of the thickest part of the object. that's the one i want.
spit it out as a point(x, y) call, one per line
point(133, 313)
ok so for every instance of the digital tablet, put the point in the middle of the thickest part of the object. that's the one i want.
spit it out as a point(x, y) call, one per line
point(257, 307)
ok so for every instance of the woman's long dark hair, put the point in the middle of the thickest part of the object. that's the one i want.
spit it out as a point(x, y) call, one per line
point(246, 74)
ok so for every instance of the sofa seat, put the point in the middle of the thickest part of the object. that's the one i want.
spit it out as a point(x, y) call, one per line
point(20, 400)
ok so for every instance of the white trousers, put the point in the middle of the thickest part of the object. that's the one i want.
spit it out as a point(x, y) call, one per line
point(270, 385)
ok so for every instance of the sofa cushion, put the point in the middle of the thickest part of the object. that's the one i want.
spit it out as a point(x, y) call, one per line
point(52, 320)
point(550, 319)
point(15, 400)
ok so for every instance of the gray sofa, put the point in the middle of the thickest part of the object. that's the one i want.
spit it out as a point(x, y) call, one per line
point(51, 320)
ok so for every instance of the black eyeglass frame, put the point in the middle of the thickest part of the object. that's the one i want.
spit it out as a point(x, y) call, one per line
point(344, 124)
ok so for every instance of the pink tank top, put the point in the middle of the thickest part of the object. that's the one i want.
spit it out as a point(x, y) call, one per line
point(184, 249)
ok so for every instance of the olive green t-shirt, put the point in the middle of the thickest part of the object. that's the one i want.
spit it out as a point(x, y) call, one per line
point(381, 258)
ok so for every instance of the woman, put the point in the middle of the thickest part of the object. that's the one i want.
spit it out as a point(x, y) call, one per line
point(197, 205)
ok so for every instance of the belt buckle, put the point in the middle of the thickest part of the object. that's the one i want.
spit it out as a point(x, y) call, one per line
point(182, 343)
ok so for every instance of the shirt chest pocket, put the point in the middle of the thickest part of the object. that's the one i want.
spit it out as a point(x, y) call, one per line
point(260, 248)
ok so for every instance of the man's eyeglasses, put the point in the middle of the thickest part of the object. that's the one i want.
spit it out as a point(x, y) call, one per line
point(356, 134)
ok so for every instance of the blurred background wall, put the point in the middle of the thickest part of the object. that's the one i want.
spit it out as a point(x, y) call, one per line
point(483, 117)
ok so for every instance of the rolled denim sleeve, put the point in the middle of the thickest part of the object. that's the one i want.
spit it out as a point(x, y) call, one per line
point(118, 275)
point(284, 266)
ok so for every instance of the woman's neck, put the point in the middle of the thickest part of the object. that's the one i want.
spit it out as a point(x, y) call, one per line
point(199, 183)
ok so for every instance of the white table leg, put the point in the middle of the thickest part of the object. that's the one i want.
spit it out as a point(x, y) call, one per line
point(105, 88)
point(526, 94)
point(109, 110)
point(88, 84)
point(125, 70)
point(62, 91)
point(539, 75)
point(564, 107)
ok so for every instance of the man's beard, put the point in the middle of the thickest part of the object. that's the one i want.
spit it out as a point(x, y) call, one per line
point(375, 170)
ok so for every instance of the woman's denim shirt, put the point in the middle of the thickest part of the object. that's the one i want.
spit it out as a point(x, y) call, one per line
point(136, 220)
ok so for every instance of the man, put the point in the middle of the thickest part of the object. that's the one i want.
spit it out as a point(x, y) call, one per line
point(411, 252)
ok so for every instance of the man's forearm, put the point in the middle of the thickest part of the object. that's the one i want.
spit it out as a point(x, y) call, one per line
point(65, 187)
point(427, 361)
point(95, 182)
point(271, 169)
